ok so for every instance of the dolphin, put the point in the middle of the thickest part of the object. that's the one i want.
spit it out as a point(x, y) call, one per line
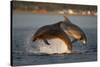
point(50, 32)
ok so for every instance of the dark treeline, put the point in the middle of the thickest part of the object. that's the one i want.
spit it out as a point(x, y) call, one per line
point(50, 6)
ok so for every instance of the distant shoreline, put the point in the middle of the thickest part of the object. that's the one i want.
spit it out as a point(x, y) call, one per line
point(49, 13)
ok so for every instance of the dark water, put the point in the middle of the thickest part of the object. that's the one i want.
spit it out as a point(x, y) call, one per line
point(21, 57)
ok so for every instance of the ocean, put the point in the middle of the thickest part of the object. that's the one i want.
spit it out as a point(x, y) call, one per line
point(24, 25)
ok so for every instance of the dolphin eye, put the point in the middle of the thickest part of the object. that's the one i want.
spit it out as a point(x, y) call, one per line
point(81, 38)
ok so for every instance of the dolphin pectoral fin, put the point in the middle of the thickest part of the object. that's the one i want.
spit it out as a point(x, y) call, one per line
point(46, 42)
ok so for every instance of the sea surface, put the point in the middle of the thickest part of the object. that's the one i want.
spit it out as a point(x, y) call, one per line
point(24, 25)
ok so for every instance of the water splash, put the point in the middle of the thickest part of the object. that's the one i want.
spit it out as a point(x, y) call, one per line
point(37, 47)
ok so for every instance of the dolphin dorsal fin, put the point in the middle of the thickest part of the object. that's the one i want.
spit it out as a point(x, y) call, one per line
point(66, 19)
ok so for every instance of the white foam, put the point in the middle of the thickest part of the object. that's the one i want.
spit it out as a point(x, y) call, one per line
point(56, 46)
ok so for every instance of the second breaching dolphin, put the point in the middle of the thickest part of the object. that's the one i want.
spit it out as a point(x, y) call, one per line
point(74, 31)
